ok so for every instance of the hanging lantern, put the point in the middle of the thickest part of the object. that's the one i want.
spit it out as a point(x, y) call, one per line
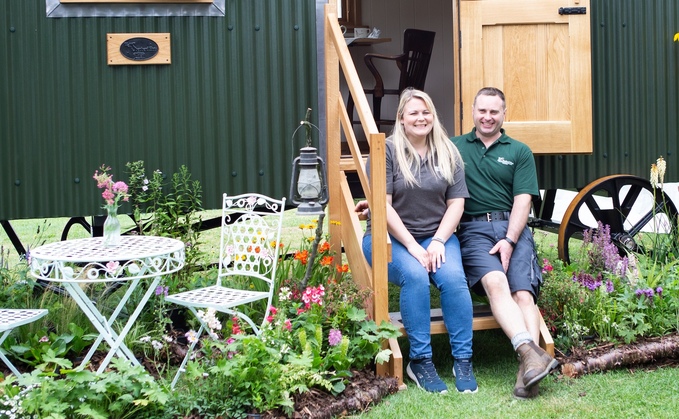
point(308, 189)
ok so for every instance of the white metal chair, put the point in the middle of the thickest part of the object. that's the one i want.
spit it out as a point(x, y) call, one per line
point(250, 234)
point(10, 319)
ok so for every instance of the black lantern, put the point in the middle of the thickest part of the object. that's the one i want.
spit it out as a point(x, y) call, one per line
point(308, 189)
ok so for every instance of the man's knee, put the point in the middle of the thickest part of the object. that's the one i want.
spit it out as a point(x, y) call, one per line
point(495, 284)
point(524, 298)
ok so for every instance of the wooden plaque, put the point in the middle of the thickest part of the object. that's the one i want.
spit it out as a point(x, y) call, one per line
point(138, 48)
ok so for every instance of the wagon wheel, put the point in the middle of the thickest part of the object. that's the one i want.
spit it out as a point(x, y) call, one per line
point(626, 204)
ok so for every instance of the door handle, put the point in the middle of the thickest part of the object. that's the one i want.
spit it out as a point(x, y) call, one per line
point(572, 10)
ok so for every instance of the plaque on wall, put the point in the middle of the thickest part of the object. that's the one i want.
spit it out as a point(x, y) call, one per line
point(138, 48)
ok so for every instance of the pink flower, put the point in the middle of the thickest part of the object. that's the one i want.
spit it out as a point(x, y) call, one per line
point(334, 337)
point(112, 266)
point(112, 192)
point(44, 339)
point(313, 296)
point(288, 324)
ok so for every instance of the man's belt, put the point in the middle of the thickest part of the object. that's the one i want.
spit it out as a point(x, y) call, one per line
point(487, 217)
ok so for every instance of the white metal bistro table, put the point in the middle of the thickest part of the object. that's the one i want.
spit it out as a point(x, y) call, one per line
point(73, 263)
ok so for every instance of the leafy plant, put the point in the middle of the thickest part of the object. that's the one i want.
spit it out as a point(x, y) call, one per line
point(609, 297)
point(43, 350)
point(315, 335)
point(168, 210)
point(125, 391)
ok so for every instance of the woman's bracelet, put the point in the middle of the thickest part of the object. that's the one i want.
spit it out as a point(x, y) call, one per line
point(438, 239)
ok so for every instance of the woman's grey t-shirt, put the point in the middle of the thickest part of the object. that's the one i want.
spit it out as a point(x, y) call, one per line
point(420, 207)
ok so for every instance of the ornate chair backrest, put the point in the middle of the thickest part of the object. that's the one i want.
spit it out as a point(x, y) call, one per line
point(250, 236)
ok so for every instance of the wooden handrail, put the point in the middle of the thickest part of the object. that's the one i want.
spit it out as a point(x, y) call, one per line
point(348, 233)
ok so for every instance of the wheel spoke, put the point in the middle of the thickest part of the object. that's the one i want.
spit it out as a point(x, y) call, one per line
point(630, 212)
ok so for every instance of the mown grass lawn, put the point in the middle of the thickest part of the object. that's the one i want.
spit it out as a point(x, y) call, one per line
point(623, 393)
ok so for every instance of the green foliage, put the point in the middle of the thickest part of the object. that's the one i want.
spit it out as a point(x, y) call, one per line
point(314, 336)
point(168, 210)
point(123, 392)
point(43, 350)
point(608, 297)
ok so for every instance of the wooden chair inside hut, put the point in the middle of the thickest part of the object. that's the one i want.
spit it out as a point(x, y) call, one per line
point(250, 223)
point(413, 64)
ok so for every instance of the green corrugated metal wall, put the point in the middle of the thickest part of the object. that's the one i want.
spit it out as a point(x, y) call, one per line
point(237, 87)
point(226, 107)
point(635, 77)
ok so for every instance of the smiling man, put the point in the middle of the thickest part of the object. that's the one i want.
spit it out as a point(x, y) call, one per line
point(497, 247)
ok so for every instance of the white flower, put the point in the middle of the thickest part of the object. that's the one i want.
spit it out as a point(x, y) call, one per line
point(191, 336)
point(654, 176)
point(145, 339)
point(156, 345)
point(167, 338)
point(210, 320)
point(662, 165)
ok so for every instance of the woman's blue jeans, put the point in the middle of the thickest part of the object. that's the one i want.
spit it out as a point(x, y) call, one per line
point(456, 303)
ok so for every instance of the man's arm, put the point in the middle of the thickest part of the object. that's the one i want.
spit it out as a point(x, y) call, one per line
point(518, 219)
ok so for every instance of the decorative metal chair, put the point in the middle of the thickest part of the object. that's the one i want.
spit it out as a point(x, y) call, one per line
point(413, 65)
point(250, 233)
point(10, 319)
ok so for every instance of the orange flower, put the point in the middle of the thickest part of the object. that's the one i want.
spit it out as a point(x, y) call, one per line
point(302, 256)
point(343, 268)
point(326, 260)
point(325, 247)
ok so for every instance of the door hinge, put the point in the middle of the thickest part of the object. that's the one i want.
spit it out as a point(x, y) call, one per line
point(572, 10)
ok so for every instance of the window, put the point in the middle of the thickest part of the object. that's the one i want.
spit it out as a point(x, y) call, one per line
point(135, 1)
point(121, 8)
point(349, 13)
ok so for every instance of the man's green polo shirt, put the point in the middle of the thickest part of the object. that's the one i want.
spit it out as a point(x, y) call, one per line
point(497, 174)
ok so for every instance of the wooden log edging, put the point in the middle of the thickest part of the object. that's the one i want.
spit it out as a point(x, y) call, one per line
point(644, 353)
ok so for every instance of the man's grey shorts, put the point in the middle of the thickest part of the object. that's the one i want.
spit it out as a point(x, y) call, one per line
point(476, 240)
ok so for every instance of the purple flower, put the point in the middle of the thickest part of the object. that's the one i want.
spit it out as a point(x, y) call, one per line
point(639, 292)
point(649, 293)
point(161, 290)
point(609, 286)
point(334, 337)
point(659, 291)
point(587, 280)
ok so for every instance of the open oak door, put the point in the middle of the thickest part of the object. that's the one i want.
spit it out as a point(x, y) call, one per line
point(539, 53)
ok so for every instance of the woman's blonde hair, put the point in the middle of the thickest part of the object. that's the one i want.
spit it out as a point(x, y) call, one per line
point(440, 150)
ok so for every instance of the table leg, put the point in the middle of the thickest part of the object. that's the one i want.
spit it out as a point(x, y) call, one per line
point(130, 321)
point(102, 324)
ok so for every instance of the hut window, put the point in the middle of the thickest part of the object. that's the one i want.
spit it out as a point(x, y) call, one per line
point(122, 8)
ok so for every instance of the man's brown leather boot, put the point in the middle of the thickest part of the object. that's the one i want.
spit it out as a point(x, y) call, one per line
point(536, 363)
point(520, 391)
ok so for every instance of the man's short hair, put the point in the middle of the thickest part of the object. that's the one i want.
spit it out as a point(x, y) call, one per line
point(491, 91)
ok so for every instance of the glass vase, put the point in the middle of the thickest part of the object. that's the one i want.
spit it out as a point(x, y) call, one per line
point(111, 227)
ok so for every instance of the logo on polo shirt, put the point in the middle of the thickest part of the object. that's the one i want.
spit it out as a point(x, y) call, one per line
point(502, 160)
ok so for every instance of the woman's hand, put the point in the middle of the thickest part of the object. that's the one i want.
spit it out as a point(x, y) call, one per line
point(437, 255)
point(420, 254)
